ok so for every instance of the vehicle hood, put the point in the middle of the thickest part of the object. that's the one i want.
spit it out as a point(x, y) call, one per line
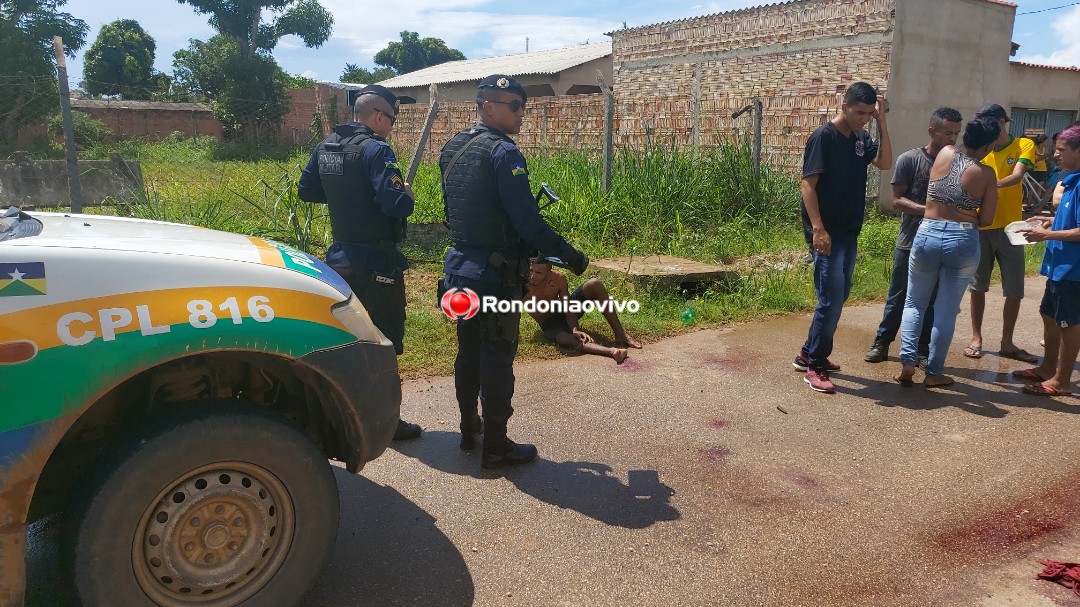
point(71, 231)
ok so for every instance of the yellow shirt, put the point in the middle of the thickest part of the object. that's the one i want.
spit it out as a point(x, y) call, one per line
point(1010, 206)
point(1041, 164)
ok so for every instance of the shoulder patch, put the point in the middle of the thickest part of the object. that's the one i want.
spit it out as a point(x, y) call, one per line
point(392, 165)
point(397, 183)
point(518, 170)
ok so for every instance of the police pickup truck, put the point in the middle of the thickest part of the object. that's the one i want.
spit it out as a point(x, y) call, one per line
point(172, 395)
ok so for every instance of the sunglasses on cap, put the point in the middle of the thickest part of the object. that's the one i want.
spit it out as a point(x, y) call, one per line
point(515, 105)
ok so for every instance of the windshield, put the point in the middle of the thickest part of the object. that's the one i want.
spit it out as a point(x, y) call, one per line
point(16, 224)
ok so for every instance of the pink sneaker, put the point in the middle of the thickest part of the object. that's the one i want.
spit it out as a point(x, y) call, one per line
point(819, 381)
point(802, 364)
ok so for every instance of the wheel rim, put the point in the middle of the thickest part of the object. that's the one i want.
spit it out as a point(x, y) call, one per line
point(214, 537)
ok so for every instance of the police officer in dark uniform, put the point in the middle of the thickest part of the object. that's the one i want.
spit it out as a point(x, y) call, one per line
point(495, 224)
point(355, 172)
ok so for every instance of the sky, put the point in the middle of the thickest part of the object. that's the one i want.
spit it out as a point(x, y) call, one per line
point(489, 28)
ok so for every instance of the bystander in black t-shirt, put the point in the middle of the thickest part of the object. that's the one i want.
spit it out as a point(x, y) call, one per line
point(840, 163)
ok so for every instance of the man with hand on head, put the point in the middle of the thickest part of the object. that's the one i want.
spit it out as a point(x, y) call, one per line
point(495, 224)
point(834, 205)
point(355, 172)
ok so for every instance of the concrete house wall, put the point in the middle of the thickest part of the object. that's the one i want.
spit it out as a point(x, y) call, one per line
point(935, 64)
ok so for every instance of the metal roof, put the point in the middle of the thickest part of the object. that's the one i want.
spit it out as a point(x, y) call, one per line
point(138, 105)
point(537, 62)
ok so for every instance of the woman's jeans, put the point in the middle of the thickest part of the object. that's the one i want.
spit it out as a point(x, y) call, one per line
point(945, 254)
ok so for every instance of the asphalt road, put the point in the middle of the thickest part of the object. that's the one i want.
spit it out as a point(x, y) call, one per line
point(704, 472)
point(676, 479)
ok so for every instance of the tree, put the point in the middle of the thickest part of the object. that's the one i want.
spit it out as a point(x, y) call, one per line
point(248, 89)
point(412, 53)
point(242, 21)
point(249, 95)
point(28, 68)
point(121, 61)
point(362, 75)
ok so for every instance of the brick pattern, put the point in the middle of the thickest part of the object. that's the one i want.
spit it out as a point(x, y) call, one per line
point(672, 86)
point(753, 27)
point(155, 124)
point(551, 124)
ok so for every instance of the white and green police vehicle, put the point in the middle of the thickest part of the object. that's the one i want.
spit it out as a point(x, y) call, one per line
point(172, 395)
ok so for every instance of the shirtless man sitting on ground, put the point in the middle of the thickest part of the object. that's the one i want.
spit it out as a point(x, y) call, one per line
point(547, 284)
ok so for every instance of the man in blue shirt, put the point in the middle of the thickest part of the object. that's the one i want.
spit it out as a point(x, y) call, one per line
point(1060, 306)
point(355, 172)
point(495, 224)
point(834, 205)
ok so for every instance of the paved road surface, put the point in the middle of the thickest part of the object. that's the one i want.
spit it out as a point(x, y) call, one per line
point(676, 480)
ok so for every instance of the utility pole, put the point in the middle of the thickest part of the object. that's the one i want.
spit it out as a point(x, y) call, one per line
point(74, 184)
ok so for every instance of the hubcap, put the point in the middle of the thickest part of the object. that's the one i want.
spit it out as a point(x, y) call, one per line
point(214, 537)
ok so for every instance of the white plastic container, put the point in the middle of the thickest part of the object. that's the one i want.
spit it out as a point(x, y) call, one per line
point(1013, 230)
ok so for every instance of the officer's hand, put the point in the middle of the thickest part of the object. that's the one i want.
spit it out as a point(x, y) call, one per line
point(408, 190)
point(579, 264)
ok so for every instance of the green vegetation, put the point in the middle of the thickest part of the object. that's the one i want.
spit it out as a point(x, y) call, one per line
point(706, 206)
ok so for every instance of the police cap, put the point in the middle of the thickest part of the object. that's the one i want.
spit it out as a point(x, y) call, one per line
point(502, 82)
point(375, 89)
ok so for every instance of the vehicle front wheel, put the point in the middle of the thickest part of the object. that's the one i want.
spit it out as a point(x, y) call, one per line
point(218, 506)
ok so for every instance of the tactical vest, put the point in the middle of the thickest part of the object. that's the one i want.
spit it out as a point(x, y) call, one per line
point(474, 214)
point(355, 216)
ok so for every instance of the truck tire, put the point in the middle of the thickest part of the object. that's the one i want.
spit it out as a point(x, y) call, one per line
point(220, 505)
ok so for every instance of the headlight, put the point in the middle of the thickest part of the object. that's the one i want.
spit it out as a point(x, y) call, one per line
point(352, 314)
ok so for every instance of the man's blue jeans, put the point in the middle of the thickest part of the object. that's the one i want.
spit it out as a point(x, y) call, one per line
point(832, 281)
point(894, 305)
point(945, 253)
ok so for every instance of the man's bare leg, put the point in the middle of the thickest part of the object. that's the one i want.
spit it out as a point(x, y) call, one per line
point(1009, 314)
point(1051, 350)
point(978, 306)
point(594, 289)
point(567, 340)
point(1067, 353)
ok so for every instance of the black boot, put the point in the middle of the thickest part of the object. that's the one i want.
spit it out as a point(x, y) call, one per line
point(470, 427)
point(508, 453)
point(405, 430)
point(878, 353)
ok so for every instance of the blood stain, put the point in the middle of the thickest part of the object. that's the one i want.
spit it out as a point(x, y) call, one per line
point(717, 423)
point(717, 454)
point(806, 481)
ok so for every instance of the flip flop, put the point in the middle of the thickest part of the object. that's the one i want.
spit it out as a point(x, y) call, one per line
point(1041, 390)
point(1028, 375)
point(973, 352)
point(907, 383)
point(1021, 355)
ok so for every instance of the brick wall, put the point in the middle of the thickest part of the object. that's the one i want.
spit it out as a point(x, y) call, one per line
point(128, 120)
point(296, 128)
point(682, 80)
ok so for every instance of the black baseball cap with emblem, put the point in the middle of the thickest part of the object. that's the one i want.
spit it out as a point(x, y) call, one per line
point(375, 89)
point(994, 111)
point(502, 82)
